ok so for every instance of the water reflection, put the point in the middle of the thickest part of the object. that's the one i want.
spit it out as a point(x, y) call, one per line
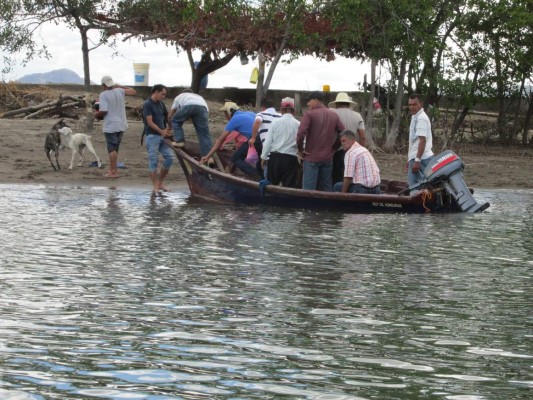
point(104, 294)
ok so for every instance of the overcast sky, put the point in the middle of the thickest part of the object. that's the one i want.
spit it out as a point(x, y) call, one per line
point(170, 69)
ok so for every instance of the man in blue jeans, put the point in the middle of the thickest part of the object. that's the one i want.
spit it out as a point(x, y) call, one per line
point(317, 141)
point(189, 105)
point(420, 151)
point(241, 122)
point(154, 120)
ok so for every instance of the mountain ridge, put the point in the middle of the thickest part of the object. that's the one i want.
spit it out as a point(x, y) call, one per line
point(63, 75)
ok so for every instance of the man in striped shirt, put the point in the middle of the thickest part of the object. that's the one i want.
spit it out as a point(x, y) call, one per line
point(361, 173)
point(263, 122)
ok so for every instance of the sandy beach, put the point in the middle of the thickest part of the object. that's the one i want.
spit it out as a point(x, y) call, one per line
point(24, 159)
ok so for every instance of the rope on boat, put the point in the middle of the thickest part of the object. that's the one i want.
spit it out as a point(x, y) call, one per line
point(426, 195)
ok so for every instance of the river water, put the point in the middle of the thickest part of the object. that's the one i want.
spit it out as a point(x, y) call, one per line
point(104, 294)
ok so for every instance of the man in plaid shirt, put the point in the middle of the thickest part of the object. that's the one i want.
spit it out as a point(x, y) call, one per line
point(361, 173)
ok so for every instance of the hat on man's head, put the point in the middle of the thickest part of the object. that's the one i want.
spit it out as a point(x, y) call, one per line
point(343, 98)
point(229, 106)
point(316, 95)
point(107, 81)
point(287, 102)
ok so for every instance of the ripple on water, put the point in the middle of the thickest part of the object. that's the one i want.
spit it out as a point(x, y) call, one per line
point(106, 295)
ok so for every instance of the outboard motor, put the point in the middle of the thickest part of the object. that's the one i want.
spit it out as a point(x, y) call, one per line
point(447, 169)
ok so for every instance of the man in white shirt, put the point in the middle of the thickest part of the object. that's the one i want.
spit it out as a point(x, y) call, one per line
point(420, 141)
point(189, 105)
point(280, 149)
point(112, 109)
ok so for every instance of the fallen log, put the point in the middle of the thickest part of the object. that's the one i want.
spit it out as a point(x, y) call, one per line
point(50, 108)
point(34, 110)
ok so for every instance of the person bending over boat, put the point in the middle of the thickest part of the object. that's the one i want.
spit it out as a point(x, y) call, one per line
point(241, 122)
point(319, 128)
point(420, 141)
point(189, 105)
point(280, 149)
point(361, 173)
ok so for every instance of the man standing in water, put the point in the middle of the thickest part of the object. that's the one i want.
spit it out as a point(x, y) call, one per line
point(112, 109)
point(420, 140)
point(154, 121)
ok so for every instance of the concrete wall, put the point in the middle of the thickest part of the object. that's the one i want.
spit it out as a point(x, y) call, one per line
point(239, 96)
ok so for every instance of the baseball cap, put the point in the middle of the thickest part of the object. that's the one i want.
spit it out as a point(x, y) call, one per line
point(229, 106)
point(287, 102)
point(317, 95)
point(107, 81)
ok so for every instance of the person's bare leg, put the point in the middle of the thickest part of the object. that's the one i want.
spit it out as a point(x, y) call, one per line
point(113, 159)
point(155, 183)
point(162, 176)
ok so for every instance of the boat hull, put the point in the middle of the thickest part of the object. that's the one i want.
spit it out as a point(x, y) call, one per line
point(217, 186)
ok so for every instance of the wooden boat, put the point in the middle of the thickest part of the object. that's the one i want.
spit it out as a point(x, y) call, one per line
point(216, 184)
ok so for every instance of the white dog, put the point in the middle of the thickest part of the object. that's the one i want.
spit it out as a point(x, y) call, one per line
point(77, 142)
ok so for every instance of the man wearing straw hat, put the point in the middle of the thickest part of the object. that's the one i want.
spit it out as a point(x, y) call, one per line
point(353, 121)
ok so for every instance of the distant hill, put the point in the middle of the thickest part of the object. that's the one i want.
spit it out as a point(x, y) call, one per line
point(57, 76)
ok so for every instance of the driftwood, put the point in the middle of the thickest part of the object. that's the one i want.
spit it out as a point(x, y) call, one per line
point(50, 108)
point(59, 104)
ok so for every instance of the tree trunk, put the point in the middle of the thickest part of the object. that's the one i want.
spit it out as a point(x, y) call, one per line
point(87, 79)
point(458, 121)
point(395, 128)
point(500, 90)
point(370, 107)
point(527, 122)
point(260, 92)
point(516, 129)
point(206, 66)
point(266, 84)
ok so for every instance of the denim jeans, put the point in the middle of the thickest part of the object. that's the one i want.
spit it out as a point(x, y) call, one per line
point(318, 176)
point(355, 188)
point(413, 179)
point(155, 144)
point(200, 119)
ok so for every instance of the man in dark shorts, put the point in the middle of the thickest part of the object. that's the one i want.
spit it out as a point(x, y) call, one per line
point(112, 109)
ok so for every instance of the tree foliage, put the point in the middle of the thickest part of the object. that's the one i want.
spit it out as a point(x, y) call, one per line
point(462, 49)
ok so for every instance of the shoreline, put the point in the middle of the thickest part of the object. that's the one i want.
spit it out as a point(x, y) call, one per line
point(24, 160)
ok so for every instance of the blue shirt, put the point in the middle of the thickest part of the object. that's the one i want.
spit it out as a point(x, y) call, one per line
point(242, 122)
point(158, 112)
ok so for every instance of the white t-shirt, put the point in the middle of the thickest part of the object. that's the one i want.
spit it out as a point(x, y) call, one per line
point(420, 126)
point(112, 101)
point(188, 99)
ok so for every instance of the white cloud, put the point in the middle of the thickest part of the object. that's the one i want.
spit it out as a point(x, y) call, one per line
point(306, 73)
